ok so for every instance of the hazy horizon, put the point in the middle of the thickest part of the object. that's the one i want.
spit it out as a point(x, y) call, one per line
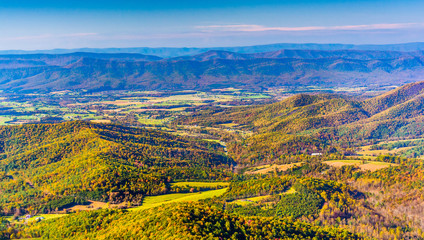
point(41, 25)
point(211, 47)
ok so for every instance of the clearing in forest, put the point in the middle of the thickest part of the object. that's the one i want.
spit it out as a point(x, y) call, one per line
point(362, 164)
point(153, 201)
point(270, 168)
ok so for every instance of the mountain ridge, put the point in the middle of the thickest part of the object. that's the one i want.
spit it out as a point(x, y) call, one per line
point(169, 52)
point(211, 70)
point(301, 54)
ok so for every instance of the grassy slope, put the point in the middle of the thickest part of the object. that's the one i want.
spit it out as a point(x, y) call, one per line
point(148, 202)
point(154, 201)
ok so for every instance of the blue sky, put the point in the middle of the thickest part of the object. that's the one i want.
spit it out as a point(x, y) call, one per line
point(31, 24)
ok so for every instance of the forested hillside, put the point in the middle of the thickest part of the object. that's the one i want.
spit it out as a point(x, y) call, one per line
point(179, 221)
point(320, 123)
point(285, 170)
point(46, 167)
point(310, 201)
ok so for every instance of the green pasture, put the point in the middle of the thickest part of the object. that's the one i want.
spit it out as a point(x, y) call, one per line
point(154, 201)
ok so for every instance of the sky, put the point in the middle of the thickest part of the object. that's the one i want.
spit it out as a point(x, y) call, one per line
point(51, 24)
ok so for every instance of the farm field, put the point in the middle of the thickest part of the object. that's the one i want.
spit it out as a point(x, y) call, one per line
point(366, 151)
point(101, 121)
point(290, 191)
point(124, 107)
point(247, 201)
point(270, 168)
point(412, 148)
point(153, 201)
point(149, 202)
point(362, 164)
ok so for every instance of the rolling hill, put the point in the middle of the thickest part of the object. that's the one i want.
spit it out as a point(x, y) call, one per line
point(179, 221)
point(48, 166)
point(319, 123)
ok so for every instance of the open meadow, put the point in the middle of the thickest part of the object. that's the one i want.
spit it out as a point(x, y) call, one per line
point(362, 164)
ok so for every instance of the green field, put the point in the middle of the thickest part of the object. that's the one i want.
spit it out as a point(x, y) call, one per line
point(153, 201)
point(290, 191)
point(247, 201)
point(131, 108)
point(149, 121)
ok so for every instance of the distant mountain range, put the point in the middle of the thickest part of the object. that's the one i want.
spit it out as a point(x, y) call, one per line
point(209, 70)
point(168, 52)
point(301, 54)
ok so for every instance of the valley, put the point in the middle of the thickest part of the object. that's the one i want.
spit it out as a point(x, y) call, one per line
point(126, 107)
point(228, 163)
point(212, 120)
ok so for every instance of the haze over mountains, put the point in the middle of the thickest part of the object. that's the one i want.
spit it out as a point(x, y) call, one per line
point(209, 70)
point(168, 52)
